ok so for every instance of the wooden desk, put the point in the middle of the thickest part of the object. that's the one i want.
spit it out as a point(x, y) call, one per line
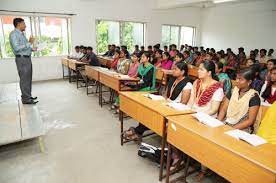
point(233, 159)
point(64, 64)
point(193, 71)
point(92, 72)
point(150, 113)
point(73, 66)
point(113, 81)
point(105, 61)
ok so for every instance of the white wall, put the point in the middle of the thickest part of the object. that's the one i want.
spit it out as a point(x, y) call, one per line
point(251, 25)
point(83, 25)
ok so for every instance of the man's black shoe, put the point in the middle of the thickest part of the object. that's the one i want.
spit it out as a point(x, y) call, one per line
point(30, 102)
point(33, 98)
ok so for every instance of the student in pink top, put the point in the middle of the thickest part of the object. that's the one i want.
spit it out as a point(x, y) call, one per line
point(133, 70)
point(173, 50)
point(166, 62)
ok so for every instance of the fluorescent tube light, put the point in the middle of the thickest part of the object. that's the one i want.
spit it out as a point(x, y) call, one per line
point(222, 1)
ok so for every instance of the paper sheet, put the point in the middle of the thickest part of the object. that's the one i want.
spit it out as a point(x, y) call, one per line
point(178, 106)
point(124, 76)
point(207, 120)
point(249, 138)
point(154, 97)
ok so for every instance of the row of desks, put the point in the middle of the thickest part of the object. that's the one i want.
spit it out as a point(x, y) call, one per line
point(234, 160)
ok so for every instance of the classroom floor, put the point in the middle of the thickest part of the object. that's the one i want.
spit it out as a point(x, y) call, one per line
point(82, 144)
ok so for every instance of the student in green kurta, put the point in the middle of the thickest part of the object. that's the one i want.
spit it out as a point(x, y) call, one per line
point(146, 74)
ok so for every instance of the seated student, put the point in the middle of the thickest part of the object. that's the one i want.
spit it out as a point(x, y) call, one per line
point(77, 54)
point(265, 74)
point(263, 58)
point(270, 54)
point(123, 63)
point(173, 50)
point(179, 90)
point(179, 58)
point(158, 59)
point(165, 48)
point(85, 56)
point(241, 58)
point(108, 51)
point(232, 60)
point(187, 57)
point(206, 96)
point(250, 62)
point(181, 48)
point(267, 128)
point(207, 91)
point(150, 50)
point(197, 59)
point(92, 59)
point(246, 99)
point(257, 83)
point(123, 47)
point(221, 59)
point(142, 50)
point(268, 92)
point(223, 78)
point(136, 50)
point(114, 63)
point(166, 63)
point(133, 70)
point(209, 56)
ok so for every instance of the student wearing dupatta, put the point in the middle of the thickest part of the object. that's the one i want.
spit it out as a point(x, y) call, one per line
point(268, 91)
point(123, 63)
point(115, 60)
point(223, 78)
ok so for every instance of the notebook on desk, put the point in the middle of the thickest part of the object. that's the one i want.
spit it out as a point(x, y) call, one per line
point(207, 119)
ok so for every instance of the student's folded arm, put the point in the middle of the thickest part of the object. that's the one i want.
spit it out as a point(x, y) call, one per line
point(193, 95)
point(223, 110)
point(252, 114)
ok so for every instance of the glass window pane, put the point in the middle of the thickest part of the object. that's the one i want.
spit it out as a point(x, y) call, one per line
point(7, 23)
point(187, 35)
point(107, 32)
point(174, 35)
point(166, 35)
point(53, 32)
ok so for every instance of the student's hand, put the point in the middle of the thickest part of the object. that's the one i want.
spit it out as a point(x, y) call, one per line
point(31, 40)
point(34, 49)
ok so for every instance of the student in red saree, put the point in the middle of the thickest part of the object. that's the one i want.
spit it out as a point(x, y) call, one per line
point(268, 92)
point(206, 96)
point(115, 60)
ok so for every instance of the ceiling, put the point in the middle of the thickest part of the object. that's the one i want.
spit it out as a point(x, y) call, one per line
point(168, 4)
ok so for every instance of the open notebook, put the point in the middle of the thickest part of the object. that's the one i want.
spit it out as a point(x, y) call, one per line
point(178, 106)
point(249, 138)
point(207, 119)
point(154, 97)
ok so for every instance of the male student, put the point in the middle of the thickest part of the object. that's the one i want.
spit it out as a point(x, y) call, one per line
point(108, 51)
point(76, 54)
point(270, 54)
point(92, 58)
point(263, 57)
point(85, 55)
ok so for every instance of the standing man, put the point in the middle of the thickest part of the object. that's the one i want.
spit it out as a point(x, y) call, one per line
point(22, 49)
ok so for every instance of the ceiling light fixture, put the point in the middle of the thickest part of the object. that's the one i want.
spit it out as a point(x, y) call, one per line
point(222, 1)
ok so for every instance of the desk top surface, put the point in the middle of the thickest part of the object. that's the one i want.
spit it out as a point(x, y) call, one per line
point(160, 106)
point(263, 155)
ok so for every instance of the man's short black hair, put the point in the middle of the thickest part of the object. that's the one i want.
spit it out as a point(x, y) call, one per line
point(89, 48)
point(16, 21)
point(77, 47)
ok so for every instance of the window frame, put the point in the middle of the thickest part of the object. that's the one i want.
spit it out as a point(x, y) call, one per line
point(120, 30)
point(179, 33)
point(35, 31)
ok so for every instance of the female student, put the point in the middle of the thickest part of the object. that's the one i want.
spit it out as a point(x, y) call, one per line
point(115, 60)
point(246, 99)
point(158, 59)
point(178, 59)
point(179, 90)
point(166, 62)
point(206, 96)
point(265, 74)
point(207, 91)
point(123, 63)
point(268, 92)
point(133, 70)
point(223, 78)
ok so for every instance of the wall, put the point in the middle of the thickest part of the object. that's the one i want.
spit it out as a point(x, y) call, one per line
point(251, 25)
point(83, 26)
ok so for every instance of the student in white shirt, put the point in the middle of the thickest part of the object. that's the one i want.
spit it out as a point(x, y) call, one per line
point(77, 54)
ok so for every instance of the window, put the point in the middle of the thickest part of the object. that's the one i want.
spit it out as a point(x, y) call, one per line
point(53, 31)
point(177, 35)
point(119, 33)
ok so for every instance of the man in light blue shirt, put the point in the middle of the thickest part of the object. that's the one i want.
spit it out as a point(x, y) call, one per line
point(22, 49)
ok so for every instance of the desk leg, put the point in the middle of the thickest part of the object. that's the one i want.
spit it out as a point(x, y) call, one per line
point(121, 118)
point(168, 163)
point(77, 77)
point(63, 71)
point(164, 137)
point(69, 72)
point(100, 95)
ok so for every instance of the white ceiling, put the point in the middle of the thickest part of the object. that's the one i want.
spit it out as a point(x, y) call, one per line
point(167, 4)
